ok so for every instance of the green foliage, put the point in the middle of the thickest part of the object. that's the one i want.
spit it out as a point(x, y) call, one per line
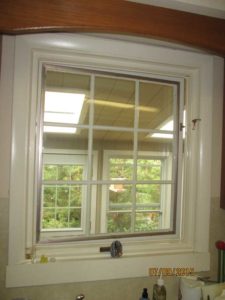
point(119, 222)
point(121, 168)
point(62, 203)
point(147, 196)
point(62, 172)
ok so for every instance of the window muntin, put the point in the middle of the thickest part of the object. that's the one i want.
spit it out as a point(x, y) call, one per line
point(118, 113)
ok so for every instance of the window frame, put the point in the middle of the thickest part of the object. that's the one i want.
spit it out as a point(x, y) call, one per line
point(191, 244)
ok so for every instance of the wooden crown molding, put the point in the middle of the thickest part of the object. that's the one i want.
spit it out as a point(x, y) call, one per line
point(116, 16)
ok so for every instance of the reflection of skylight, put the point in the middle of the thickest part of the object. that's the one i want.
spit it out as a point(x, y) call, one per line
point(56, 129)
point(168, 127)
point(64, 108)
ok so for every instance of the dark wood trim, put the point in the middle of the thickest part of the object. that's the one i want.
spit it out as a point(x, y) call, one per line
point(121, 17)
point(0, 53)
point(116, 16)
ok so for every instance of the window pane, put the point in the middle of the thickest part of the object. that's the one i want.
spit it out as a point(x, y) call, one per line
point(155, 105)
point(49, 219)
point(160, 165)
point(149, 169)
point(76, 195)
point(107, 140)
point(50, 172)
point(114, 102)
point(62, 206)
point(49, 196)
point(62, 196)
point(118, 222)
point(64, 172)
point(120, 196)
point(77, 172)
point(120, 168)
point(74, 218)
point(148, 194)
point(62, 218)
point(78, 141)
point(66, 100)
point(147, 221)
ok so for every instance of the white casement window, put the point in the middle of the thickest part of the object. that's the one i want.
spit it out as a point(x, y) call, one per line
point(91, 110)
point(111, 140)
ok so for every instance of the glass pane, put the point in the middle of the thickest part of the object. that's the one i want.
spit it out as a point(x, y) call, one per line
point(104, 140)
point(149, 169)
point(74, 218)
point(155, 105)
point(49, 196)
point(66, 100)
point(78, 141)
point(50, 172)
point(147, 221)
point(120, 196)
point(154, 206)
point(64, 172)
point(121, 168)
point(76, 195)
point(114, 102)
point(77, 172)
point(148, 194)
point(118, 222)
point(155, 158)
point(48, 219)
point(63, 196)
point(62, 217)
point(62, 206)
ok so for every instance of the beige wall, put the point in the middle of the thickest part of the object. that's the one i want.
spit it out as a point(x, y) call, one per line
point(114, 289)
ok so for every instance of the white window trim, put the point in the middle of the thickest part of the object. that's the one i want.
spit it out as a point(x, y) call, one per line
point(191, 247)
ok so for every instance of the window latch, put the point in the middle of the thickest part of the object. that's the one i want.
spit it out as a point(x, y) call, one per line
point(116, 249)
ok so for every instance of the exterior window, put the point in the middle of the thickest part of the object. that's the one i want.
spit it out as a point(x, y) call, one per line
point(131, 123)
point(61, 200)
point(146, 215)
point(149, 213)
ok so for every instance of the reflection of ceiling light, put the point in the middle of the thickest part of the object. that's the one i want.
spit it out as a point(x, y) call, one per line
point(168, 126)
point(123, 105)
point(64, 108)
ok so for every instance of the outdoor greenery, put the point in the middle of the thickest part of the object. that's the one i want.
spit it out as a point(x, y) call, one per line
point(61, 203)
point(128, 205)
point(145, 196)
